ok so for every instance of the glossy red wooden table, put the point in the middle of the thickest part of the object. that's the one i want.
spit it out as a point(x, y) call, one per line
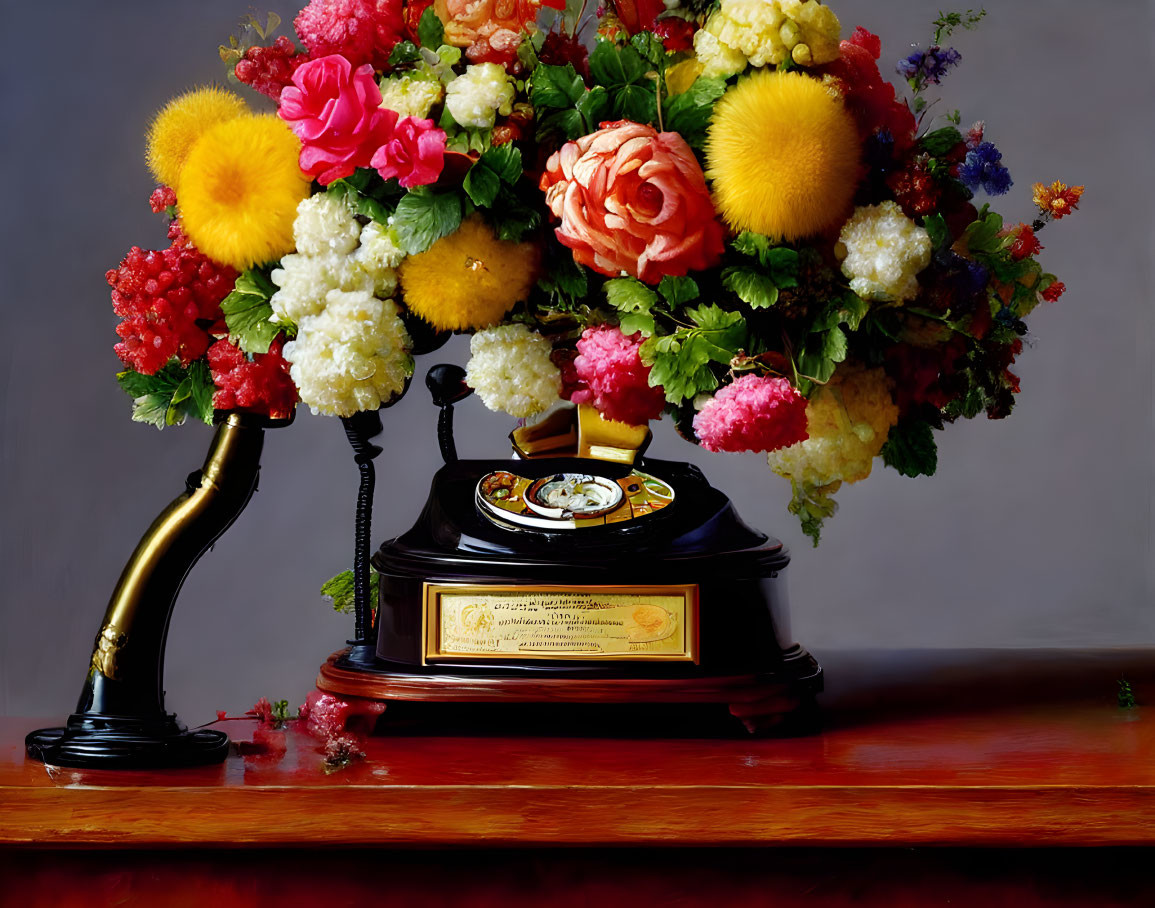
point(1061, 774)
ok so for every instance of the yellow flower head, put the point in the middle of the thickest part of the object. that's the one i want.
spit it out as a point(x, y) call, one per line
point(782, 152)
point(468, 279)
point(182, 121)
point(239, 191)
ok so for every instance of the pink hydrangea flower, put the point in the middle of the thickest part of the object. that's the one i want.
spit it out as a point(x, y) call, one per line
point(415, 154)
point(362, 31)
point(754, 413)
point(336, 112)
point(613, 378)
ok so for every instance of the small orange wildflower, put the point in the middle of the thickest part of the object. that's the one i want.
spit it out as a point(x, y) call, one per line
point(1058, 199)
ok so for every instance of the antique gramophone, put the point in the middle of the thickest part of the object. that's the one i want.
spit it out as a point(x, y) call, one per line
point(579, 572)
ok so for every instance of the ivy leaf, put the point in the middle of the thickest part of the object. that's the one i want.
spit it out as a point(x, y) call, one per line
point(430, 30)
point(910, 448)
point(689, 113)
point(678, 290)
point(751, 286)
point(248, 313)
point(424, 216)
point(628, 294)
point(555, 86)
point(404, 52)
point(940, 141)
point(501, 164)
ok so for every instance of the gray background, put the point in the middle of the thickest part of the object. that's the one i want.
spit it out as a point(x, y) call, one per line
point(1035, 533)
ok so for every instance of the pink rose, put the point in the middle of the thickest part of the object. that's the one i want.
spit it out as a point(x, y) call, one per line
point(335, 111)
point(415, 154)
point(635, 200)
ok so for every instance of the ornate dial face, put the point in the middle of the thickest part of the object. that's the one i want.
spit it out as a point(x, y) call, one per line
point(566, 501)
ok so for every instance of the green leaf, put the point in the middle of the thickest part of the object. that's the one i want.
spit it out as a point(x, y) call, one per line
point(633, 322)
point(555, 86)
point(172, 393)
point(353, 191)
point(783, 265)
point(752, 244)
point(649, 46)
point(200, 401)
point(853, 310)
point(910, 448)
point(616, 67)
point(566, 123)
point(511, 218)
point(628, 294)
point(501, 164)
point(152, 409)
point(715, 318)
point(939, 233)
point(982, 235)
point(430, 30)
point(638, 103)
point(823, 351)
point(751, 286)
point(404, 52)
point(248, 313)
point(689, 113)
point(424, 216)
point(940, 141)
point(594, 107)
point(678, 290)
point(812, 505)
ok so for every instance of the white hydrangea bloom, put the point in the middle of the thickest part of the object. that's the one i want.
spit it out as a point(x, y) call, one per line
point(769, 32)
point(882, 252)
point(353, 356)
point(379, 256)
point(477, 97)
point(324, 225)
point(305, 279)
point(510, 369)
point(720, 60)
point(414, 93)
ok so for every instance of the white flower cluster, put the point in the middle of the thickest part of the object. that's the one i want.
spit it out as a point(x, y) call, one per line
point(412, 93)
point(351, 351)
point(510, 369)
point(766, 32)
point(882, 252)
point(475, 98)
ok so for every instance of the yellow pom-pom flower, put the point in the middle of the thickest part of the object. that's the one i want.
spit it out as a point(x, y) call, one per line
point(468, 279)
point(182, 121)
point(239, 191)
point(782, 152)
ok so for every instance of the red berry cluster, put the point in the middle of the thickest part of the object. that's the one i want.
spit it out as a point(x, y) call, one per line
point(269, 69)
point(162, 199)
point(560, 49)
point(915, 188)
point(165, 298)
point(260, 385)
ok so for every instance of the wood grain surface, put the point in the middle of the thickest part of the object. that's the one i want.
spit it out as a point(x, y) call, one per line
point(1064, 773)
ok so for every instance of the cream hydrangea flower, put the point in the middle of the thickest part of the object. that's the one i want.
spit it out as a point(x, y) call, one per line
point(324, 225)
point(882, 252)
point(353, 356)
point(766, 33)
point(305, 279)
point(510, 369)
point(479, 95)
point(378, 256)
point(412, 94)
point(848, 421)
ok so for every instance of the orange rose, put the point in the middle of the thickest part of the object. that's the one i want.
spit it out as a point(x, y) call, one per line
point(633, 199)
point(490, 30)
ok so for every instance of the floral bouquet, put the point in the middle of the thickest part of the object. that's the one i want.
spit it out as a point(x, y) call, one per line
point(716, 210)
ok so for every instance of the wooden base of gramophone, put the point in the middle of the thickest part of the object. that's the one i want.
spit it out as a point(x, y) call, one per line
point(762, 703)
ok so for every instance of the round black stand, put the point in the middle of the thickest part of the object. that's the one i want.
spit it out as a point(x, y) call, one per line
point(127, 744)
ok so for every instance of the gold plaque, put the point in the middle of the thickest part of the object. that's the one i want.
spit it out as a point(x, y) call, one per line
point(465, 622)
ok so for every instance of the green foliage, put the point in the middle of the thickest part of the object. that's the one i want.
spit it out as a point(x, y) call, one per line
point(940, 141)
point(565, 283)
point(511, 217)
point(248, 313)
point(560, 100)
point(628, 294)
point(404, 52)
point(826, 343)
point(1125, 697)
point(689, 113)
point(496, 166)
point(624, 74)
point(340, 591)
point(935, 226)
point(910, 448)
point(366, 194)
point(812, 505)
point(424, 216)
point(430, 31)
point(982, 234)
point(780, 261)
point(171, 395)
point(678, 290)
point(280, 709)
point(751, 285)
point(680, 362)
point(946, 23)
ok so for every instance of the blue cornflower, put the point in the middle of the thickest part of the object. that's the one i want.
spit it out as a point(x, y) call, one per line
point(929, 66)
point(983, 166)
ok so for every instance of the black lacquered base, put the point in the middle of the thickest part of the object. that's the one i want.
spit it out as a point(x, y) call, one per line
point(89, 742)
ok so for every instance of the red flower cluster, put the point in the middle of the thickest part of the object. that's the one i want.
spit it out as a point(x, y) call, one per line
point(361, 31)
point(915, 188)
point(612, 377)
point(167, 300)
point(870, 98)
point(161, 200)
point(1054, 290)
point(270, 69)
point(1025, 244)
point(260, 385)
